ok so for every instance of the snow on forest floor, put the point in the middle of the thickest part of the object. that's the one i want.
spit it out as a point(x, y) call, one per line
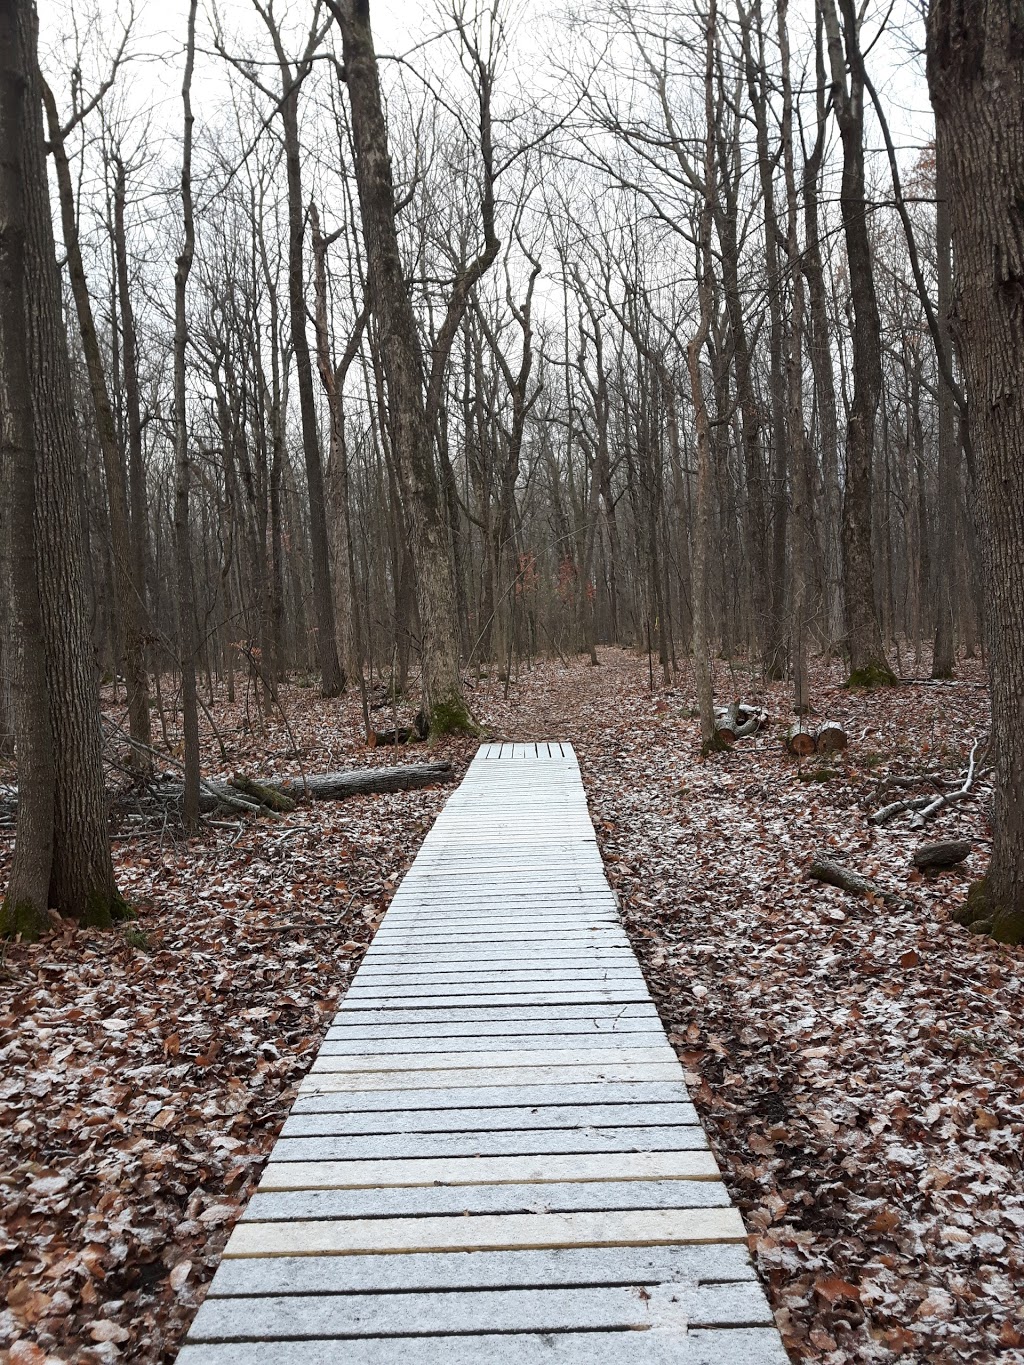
point(860, 1069)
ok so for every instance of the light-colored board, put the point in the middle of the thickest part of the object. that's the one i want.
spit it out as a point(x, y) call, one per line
point(449, 1061)
point(484, 1270)
point(489, 1097)
point(568, 1032)
point(475, 1014)
point(488, 1143)
point(496, 1170)
point(457, 1200)
point(493, 1076)
point(715, 1346)
point(502, 1119)
point(516, 1310)
point(530, 976)
point(498, 1232)
point(477, 1043)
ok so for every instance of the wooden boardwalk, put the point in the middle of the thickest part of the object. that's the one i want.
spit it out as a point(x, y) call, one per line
point(494, 1157)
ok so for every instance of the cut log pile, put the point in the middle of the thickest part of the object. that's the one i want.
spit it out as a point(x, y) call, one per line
point(737, 720)
point(803, 739)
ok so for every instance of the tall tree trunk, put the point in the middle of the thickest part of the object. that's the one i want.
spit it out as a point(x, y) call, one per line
point(82, 874)
point(868, 664)
point(403, 364)
point(976, 79)
point(774, 643)
point(188, 644)
point(948, 482)
point(801, 519)
point(702, 527)
point(24, 908)
point(331, 673)
point(133, 406)
point(128, 589)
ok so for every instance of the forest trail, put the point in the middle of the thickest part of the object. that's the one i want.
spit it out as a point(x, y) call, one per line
point(494, 1155)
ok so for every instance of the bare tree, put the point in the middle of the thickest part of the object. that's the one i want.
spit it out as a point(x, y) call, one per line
point(976, 80)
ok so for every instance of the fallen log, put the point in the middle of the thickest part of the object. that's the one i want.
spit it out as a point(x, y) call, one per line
point(318, 787)
point(262, 793)
point(800, 739)
point(737, 720)
point(834, 874)
point(727, 723)
point(362, 781)
point(830, 738)
point(941, 853)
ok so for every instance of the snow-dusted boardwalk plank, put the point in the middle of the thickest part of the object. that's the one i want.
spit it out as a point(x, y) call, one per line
point(494, 1157)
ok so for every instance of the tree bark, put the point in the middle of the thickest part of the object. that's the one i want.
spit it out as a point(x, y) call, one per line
point(976, 80)
point(948, 480)
point(332, 674)
point(402, 358)
point(188, 644)
point(868, 664)
point(24, 908)
point(702, 527)
point(82, 874)
point(128, 589)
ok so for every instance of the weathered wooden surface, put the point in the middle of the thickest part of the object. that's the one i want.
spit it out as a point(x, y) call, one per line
point(494, 1157)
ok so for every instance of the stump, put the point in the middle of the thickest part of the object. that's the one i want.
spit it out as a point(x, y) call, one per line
point(830, 739)
point(800, 739)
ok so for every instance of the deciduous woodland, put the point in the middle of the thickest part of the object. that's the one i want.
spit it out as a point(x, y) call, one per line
point(648, 376)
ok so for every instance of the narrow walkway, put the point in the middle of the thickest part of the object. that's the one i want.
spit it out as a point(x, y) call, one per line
point(494, 1157)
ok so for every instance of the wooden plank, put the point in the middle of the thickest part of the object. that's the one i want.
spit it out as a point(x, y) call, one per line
point(490, 1097)
point(646, 1227)
point(389, 1040)
point(449, 1061)
point(456, 1200)
point(498, 1170)
point(715, 1346)
point(497, 1077)
point(504, 1118)
point(287, 1318)
point(573, 1031)
point(514, 972)
point(479, 1014)
point(489, 1143)
point(425, 1271)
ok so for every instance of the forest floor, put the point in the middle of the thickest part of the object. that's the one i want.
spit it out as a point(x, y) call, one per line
point(859, 1068)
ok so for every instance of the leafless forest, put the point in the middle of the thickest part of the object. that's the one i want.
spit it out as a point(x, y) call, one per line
point(558, 215)
point(652, 373)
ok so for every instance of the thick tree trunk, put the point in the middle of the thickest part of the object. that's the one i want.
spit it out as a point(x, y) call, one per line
point(128, 589)
point(403, 366)
point(868, 664)
point(821, 366)
point(82, 875)
point(24, 908)
point(976, 78)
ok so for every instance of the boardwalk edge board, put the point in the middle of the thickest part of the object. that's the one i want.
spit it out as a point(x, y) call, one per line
point(493, 1157)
